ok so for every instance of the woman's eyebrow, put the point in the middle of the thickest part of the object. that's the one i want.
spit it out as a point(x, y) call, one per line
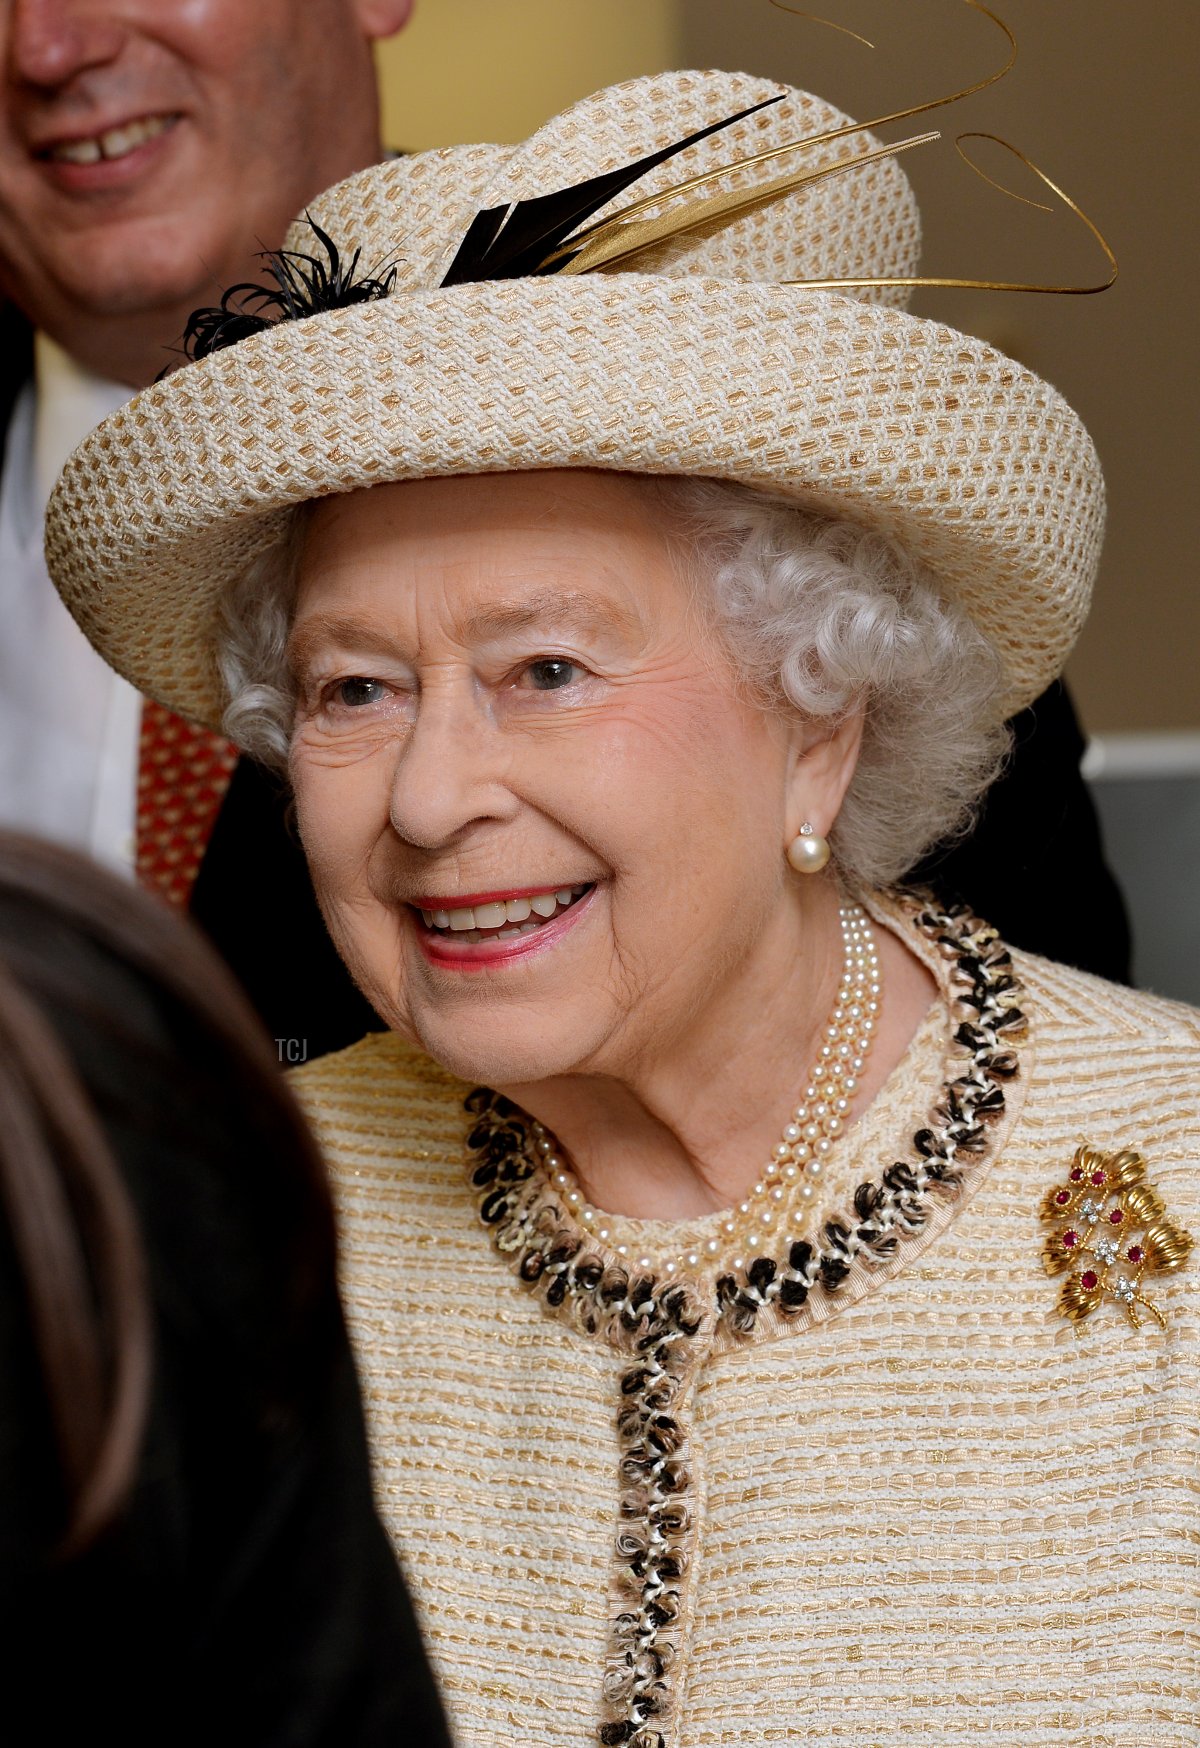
point(319, 629)
point(546, 609)
point(576, 609)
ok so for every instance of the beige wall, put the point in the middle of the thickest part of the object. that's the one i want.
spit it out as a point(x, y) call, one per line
point(494, 69)
point(1102, 97)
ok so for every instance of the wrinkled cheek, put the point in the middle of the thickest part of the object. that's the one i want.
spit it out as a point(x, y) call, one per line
point(317, 810)
point(368, 935)
point(342, 816)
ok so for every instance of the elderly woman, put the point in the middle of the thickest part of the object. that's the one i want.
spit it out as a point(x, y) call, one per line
point(624, 634)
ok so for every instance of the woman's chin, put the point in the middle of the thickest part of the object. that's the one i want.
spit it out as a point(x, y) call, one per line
point(500, 1056)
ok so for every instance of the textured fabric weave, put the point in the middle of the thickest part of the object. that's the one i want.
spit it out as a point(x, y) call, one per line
point(940, 1514)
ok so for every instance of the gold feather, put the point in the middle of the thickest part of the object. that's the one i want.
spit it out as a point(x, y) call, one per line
point(618, 238)
point(627, 233)
point(692, 183)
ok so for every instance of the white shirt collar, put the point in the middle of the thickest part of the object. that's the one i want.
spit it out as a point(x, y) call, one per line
point(70, 403)
point(68, 725)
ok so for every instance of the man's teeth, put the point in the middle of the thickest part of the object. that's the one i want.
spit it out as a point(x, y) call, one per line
point(118, 142)
point(510, 916)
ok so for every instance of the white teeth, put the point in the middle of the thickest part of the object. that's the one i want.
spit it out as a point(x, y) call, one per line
point(79, 152)
point(467, 921)
point(118, 142)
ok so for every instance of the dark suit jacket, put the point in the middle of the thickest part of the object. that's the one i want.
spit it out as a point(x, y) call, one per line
point(1033, 866)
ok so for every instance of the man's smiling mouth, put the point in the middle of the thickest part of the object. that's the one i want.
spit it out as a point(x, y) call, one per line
point(499, 919)
point(114, 142)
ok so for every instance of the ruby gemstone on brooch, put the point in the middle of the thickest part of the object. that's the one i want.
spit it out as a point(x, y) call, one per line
point(1111, 1229)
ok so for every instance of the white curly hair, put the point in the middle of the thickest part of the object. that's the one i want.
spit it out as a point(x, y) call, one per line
point(818, 614)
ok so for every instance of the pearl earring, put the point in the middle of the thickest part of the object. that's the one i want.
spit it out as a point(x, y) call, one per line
point(808, 853)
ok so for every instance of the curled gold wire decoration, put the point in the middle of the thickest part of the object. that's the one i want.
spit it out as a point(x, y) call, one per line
point(935, 103)
point(842, 29)
point(954, 284)
point(1000, 187)
point(603, 229)
point(627, 233)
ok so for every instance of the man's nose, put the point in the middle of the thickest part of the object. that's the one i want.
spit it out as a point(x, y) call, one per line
point(451, 774)
point(52, 41)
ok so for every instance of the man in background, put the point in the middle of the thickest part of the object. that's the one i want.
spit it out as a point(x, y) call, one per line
point(148, 150)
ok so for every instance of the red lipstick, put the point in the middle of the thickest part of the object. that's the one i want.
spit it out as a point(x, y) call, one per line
point(449, 954)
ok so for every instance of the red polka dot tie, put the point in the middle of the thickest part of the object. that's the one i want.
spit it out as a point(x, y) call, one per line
point(183, 773)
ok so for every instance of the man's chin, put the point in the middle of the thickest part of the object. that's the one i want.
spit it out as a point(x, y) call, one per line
point(126, 272)
point(111, 294)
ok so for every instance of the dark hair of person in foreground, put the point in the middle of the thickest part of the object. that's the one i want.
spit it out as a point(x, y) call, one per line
point(189, 1550)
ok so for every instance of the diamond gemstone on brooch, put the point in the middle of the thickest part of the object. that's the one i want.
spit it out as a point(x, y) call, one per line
point(1126, 1203)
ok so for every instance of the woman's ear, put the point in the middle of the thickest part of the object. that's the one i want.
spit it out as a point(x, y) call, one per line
point(823, 759)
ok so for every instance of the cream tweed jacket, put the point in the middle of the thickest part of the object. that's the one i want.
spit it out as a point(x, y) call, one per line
point(921, 1506)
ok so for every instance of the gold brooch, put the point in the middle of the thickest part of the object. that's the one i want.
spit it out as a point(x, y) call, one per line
point(1112, 1228)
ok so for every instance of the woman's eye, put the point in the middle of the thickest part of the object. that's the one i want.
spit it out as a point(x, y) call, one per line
point(552, 672)
point(357, 692)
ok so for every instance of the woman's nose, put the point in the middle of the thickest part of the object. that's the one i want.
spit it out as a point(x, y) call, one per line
point(451, 773)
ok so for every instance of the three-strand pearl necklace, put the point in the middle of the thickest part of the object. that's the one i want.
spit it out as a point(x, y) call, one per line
point(808, 1136)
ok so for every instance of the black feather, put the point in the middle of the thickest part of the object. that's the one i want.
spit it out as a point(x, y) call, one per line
point(513, 242)
point(304, 285)
point(502, 242)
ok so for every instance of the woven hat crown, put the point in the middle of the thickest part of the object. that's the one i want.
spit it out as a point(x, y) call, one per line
point(411, 213)
point(705, 355)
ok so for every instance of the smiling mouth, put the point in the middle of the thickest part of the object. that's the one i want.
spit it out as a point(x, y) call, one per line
point(116, 142)
point(503, 919)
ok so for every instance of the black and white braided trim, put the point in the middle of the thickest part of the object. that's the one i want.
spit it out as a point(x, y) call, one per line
point(656, 1322)
point(652, 1322)
point(985, 993)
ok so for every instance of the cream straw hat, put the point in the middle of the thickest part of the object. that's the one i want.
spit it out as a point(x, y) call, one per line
point(694, 357)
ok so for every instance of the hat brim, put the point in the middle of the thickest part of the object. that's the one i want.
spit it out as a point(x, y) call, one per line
point(974, 464)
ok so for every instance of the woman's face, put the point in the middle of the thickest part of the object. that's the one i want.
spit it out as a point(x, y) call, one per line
point(543, 826)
